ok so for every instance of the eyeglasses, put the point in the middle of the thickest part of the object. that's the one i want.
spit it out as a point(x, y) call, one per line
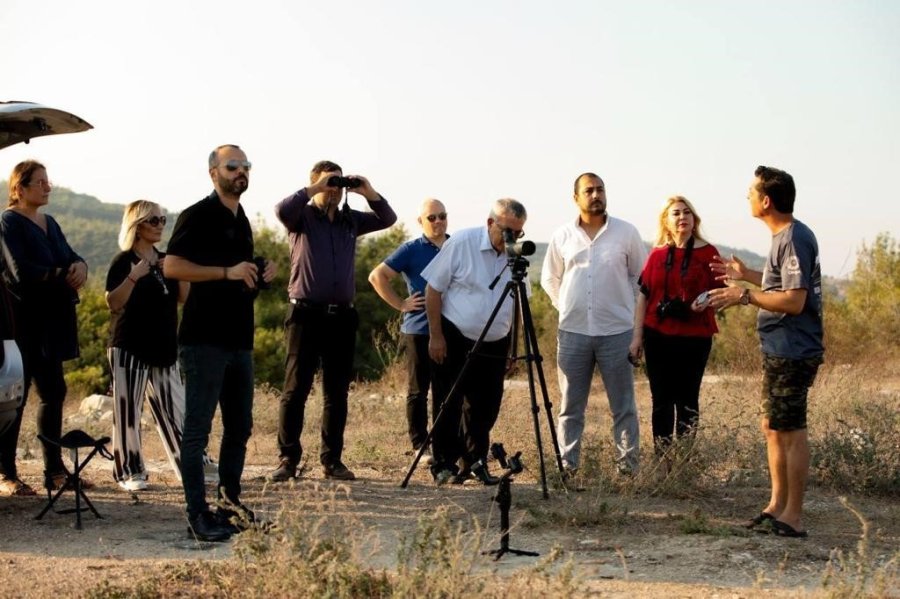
point(233, 165)
point(155, 221)
point(433, 217)
point(516, 234)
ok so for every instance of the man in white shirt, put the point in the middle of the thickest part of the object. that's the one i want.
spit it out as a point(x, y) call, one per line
point(590, 273)
point(458, 303)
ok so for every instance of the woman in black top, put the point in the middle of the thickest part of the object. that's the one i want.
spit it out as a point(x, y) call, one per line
point(44, 275)
point(142, 345)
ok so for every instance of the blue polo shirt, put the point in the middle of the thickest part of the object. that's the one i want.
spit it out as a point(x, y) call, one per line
point(410, 259)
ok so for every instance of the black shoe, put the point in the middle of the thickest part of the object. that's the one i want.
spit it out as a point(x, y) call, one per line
point(464, 475)
point(240, 518)
point(479, 469)
point(205, 527)
point(286, 470)
point(338, 471)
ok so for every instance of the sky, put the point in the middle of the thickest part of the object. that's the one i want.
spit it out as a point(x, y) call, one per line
point(471, 101)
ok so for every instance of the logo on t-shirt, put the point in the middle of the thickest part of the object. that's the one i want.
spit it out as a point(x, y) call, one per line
point(793, 266)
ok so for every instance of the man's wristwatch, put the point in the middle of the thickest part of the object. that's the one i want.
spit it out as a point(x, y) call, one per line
point(745, 297)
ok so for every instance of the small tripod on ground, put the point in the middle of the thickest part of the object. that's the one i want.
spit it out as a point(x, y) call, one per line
point(518, 266)
point(504, 501)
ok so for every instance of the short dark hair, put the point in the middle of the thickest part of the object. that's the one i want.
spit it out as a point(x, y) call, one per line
point(323, 166)
point(214, 155)
point(779, 186)
point(581, 176)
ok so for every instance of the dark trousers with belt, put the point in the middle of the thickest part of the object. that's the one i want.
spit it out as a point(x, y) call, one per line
point(317, 336)
point(464, 430)
point(675, 366)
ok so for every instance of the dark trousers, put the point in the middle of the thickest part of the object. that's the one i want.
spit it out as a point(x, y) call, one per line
point(418, 375)
point(47, 376)
point(465, 426)
point(215, 376)
point(675, 366)
point(315, 337)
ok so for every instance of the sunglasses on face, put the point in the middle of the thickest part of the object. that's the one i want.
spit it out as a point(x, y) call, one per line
point(433, 217)
point(155, 221)
point(233, 165)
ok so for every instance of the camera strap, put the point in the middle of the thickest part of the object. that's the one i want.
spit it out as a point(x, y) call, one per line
point(685, 263)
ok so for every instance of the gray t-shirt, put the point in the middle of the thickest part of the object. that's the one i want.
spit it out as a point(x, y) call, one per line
point(793, 263)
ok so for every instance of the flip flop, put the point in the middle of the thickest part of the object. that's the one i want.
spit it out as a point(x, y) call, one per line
point(786, 530)
point(762, 518)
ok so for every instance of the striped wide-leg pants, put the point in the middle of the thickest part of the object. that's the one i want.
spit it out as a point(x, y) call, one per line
point(132, 380)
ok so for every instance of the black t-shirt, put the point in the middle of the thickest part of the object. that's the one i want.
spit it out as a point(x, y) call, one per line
point(218, 312)
point(146, 326)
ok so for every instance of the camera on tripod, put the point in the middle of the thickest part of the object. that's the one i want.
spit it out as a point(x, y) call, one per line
point(516, 249)
point(673, 307)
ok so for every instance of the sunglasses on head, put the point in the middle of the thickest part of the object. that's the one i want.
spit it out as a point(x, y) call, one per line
point(439, 216)
point(233, 165)
point(155, 221)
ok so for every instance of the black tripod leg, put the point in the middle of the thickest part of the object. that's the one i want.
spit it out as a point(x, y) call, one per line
point(451, 394)
point(538, 360)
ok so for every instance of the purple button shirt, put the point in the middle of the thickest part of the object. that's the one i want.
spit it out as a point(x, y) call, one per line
point(323, 252)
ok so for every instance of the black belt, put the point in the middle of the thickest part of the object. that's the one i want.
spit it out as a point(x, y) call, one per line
point(321, 307)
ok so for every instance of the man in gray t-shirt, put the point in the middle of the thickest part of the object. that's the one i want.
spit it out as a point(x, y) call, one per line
point(790, 333)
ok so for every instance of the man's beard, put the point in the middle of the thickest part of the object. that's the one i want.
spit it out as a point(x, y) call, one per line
point(236, 187)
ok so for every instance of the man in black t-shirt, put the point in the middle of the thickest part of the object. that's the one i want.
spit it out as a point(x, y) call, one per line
point(212, 248)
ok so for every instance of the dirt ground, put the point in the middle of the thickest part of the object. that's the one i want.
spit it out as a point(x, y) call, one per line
point(643, 554)
point(637, 545)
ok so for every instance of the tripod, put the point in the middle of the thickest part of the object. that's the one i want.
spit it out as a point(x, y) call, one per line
point(504, 501)
point(516, 286)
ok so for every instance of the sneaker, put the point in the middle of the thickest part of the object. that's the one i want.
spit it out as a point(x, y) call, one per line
point(14, 487)
point(210, 472)
point(338, 471)
point(205, 527)
point(287, 469)
point(135, 482)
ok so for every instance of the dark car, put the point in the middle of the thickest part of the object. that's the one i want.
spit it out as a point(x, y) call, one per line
point(20, 122)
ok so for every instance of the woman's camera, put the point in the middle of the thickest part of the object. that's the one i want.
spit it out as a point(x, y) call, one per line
point(673, 308)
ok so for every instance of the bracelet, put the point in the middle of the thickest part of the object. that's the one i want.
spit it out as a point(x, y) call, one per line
point(133, 281)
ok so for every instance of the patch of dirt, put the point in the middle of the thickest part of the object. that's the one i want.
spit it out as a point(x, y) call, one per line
point(639, 550)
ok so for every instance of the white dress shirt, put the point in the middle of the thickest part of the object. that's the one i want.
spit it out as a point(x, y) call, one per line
point(593, 282)
point(461, 272)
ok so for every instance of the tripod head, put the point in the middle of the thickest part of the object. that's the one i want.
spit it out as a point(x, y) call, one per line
point(515, 254)
point(512, 465)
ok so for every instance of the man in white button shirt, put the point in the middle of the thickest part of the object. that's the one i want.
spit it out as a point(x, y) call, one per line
point(590, 273)
point(458, 303)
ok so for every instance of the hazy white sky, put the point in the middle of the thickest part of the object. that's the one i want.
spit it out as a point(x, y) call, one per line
point(471, 101)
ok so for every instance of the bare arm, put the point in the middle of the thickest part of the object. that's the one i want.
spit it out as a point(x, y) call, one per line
point(790, 301)
point(182, 269)
point(636, 349)
point(380, 278)
point(437, 346)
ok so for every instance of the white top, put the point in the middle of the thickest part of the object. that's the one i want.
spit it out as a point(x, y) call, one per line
point(461, 272)
point(593, 282)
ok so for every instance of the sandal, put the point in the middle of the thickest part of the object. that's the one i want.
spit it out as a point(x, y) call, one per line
point(786, 530)
point(14, 487)
point(760, 519)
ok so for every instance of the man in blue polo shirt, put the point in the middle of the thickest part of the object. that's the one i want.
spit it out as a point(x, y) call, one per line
point(409, 260)
point(320, 328)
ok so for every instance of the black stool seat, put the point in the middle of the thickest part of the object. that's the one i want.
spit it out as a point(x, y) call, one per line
point(73, 441)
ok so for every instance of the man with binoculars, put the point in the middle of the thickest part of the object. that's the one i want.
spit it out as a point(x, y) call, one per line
point(321, 321)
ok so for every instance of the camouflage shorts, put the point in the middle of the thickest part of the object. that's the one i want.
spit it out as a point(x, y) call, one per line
point(785, 386)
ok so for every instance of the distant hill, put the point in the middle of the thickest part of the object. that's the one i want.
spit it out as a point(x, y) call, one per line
point(92, 227)
point(753, 260)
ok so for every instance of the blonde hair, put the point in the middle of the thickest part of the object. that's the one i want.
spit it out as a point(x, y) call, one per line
point(663, 235)
point(21, 175)
point(135, 212)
